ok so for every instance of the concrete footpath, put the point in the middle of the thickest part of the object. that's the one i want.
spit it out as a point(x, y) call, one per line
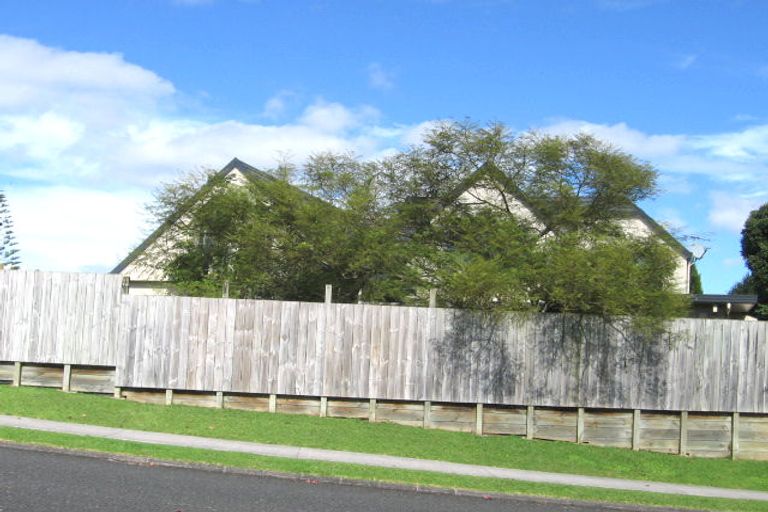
point(384, 461)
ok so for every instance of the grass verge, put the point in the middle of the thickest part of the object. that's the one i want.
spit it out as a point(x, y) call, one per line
point(354, 472)
point(360, 436)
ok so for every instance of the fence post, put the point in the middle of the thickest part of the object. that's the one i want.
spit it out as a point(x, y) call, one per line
point(220, 399)
point(580, 425)
point(273, 403)
point(323, 406)
point(479, 420)
point(372, 410)
point(734, 435)
point(328, 293)
point(17, 374)
point(636, 429)
point(225, 289)
point(118, 392)
point(683, 432)
point(427, 420)
point(168, 397)
point(125, 286)
point(67, 378)
point(529, 425)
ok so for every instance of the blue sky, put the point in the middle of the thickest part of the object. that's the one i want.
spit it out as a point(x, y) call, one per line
point(101, 101)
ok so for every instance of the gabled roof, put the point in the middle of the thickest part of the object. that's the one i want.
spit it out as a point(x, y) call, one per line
point(255, 175)
point(251, 173)
point(491, 170)
point(635, 211)
point(630, 211)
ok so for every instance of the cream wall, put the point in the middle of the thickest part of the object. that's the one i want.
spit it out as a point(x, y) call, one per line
point(636, 226)
point(159, 250)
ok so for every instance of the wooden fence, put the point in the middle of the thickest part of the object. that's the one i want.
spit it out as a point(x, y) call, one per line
point(701, 389)
point(440, 355)
point(57, 317)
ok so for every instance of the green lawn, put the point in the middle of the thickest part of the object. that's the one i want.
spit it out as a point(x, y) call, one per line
point(360, 436)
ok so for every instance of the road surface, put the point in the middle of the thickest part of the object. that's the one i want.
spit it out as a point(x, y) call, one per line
point(39, 481)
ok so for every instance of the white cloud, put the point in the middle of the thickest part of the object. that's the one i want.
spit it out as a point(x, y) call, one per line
point(675, 184)
point(335, 117)
point(686, 61)
point(745, 118)
point(733, 262)
point(42, 137)
point(275, 107)
point(379, 78)
point(93, 118)
point(87, 135)
point(739, 156)
point(621, 135)
point(37, 77)
point(672, 219)
point(73, 229)
point(748, 145)
point(415, 134)
point(729, 211)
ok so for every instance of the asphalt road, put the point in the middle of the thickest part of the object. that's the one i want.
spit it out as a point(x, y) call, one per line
point(40, 482)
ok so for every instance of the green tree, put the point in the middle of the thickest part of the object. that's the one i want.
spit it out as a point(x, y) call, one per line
point(467, 191)
point(744, 287)
point(754, 249)
point(9, 253)
point(495, 221)
point(271, 239)
point(696, 287)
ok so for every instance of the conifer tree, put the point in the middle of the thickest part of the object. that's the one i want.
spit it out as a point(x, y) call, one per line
point(9, 253)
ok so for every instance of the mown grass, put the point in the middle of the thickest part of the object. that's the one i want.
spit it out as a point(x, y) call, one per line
point(360, 436)
point(309, 469)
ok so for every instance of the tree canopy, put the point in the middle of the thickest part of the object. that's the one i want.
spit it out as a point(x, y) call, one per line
point(754, 249)
point(492, 220)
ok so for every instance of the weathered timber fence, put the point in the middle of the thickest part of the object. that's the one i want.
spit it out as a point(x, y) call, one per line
point(57, 317)
point(439, 355)
point(701, 389)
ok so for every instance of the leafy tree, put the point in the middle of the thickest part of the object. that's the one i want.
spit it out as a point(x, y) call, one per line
point(9, 253)
point(495, 221)
point(472, 186)
point(273, 240)
point(754, 249)
point(744, 287)
point(696, 287)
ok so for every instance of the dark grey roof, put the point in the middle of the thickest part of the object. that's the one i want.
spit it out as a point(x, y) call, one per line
point(251, 173)
point(724, 299)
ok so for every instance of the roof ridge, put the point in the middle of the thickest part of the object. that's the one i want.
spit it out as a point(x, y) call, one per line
point(250, 172)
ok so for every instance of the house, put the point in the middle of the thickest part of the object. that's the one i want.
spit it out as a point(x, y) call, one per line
point(632, 219)
point(142, 266)
point(733, 307)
